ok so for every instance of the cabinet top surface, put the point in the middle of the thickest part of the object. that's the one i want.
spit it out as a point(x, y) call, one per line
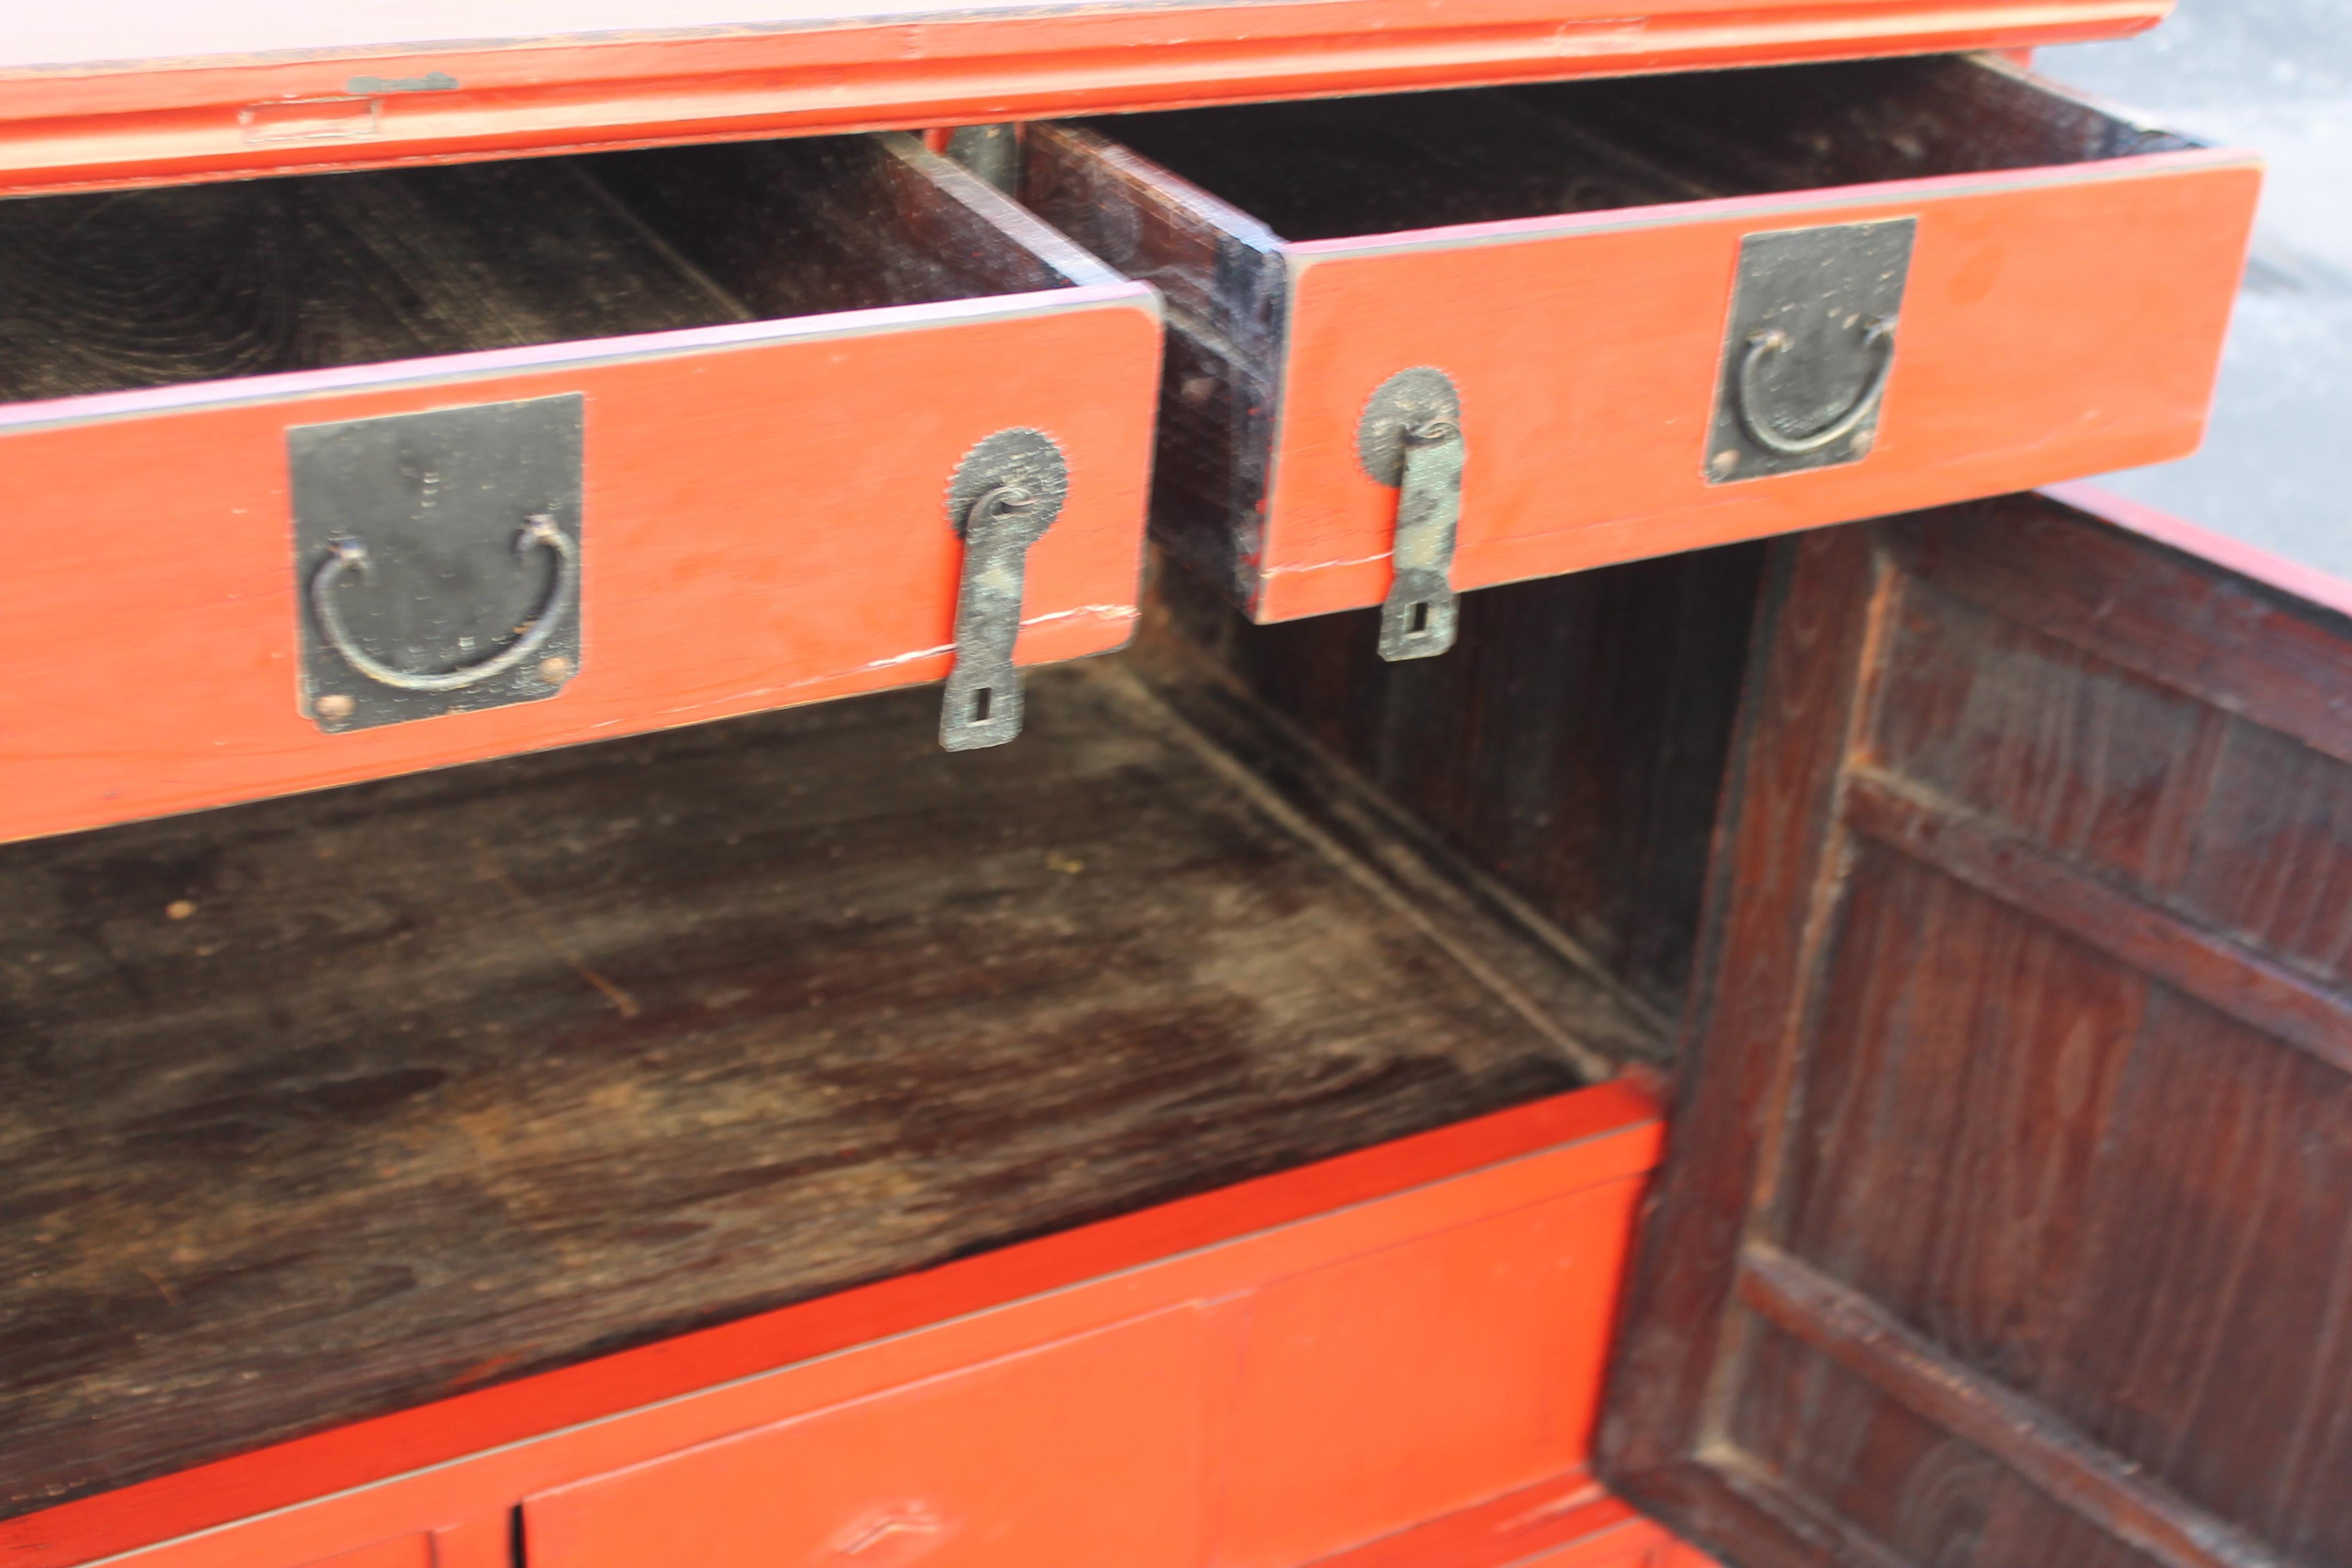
point(119, 92)
point(133, 31)
point(129, 33)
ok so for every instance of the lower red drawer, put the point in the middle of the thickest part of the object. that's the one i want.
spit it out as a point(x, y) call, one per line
point(1081, 1451)
point(1395, 1352)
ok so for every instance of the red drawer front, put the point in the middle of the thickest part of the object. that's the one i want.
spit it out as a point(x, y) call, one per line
point(2058, 323)
point(1083, 1451)
point(1419, 1379)
point(1319, 1412)
point(764, 518)
point(407, 1551)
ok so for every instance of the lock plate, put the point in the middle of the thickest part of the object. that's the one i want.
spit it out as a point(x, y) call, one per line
point(1005, 494)
point(1809, 348)
point(436, 560)
point(1410, 437)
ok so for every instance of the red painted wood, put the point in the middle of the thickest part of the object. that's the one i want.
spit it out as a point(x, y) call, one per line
point(142, 90)
point(747, 479)
point(1087, 1450)
point(1568, 1520)
point(487, 1542)
point(408, 1552)
point(543, 1433)
point(2024, 358)
point(1393, 1387)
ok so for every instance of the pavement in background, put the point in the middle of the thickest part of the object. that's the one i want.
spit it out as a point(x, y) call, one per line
point(2275, 75)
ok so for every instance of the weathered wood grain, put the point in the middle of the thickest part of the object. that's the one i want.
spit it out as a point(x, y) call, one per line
point(332, 1105)
point(102, 293)
point(1571, 744)
point(1226, 284)
point(804, 228)
point(2005, 1430)
point(135, 289)
point(2039, 1152)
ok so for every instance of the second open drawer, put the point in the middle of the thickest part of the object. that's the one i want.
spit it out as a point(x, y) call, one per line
point(1656, 313)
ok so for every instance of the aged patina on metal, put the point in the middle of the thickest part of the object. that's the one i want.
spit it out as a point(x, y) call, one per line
point(1411, 437)
point(436, 558)
point(1006, 492)
point(1809, 348)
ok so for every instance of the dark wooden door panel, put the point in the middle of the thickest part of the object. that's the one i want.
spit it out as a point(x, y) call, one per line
point(2011, 1220)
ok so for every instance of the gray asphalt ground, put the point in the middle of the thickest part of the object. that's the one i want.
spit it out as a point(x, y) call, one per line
point(2275, 75)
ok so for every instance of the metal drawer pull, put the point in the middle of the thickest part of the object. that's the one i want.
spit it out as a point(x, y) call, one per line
point(1006, 492)
point(1877, 334)
point(1411, 437)
point(350, 553)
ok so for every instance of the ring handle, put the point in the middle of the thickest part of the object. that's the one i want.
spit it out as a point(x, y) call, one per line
point(1763, 344)
point(350, 553)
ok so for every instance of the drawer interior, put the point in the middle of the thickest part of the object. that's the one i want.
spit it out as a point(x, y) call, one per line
point(333, 1105)
point(151, 288)
point(1339, 167)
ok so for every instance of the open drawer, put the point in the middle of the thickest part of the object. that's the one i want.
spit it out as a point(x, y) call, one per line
point(316, 479)
point(1621, 319)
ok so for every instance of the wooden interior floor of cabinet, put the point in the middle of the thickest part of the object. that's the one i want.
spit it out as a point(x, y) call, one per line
point(324, 1106)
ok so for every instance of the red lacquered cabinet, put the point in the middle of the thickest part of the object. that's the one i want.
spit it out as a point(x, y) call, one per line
point(1707, 1047)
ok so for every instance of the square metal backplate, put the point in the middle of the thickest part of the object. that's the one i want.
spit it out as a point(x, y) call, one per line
point(444, 568)
point(1820, 289)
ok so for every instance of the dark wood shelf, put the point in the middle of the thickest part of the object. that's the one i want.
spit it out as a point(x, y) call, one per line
point(331, 1106)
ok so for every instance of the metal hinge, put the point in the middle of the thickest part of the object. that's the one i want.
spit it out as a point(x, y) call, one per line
point(1410, 438)
point(1007, 493)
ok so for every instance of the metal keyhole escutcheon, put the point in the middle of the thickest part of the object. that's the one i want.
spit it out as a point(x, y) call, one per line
point(1410, 437)
point(1007, 493)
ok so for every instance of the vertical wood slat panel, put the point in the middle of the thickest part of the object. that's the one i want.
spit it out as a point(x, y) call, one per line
point(1774, 845)
point(2067, 1149)
point(1944, 1101)
point(1569, 744)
